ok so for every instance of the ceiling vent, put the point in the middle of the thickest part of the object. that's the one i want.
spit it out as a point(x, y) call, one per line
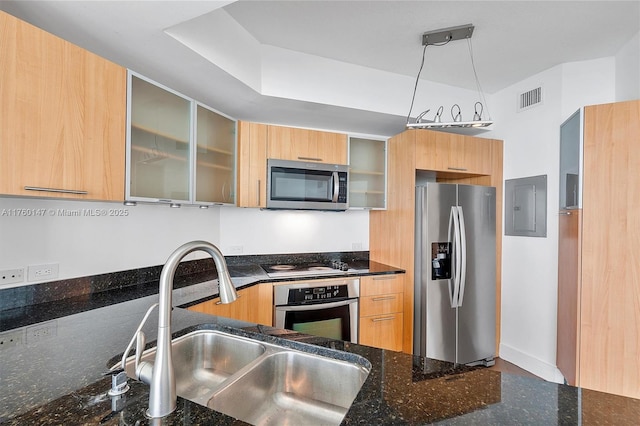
point(530, 99)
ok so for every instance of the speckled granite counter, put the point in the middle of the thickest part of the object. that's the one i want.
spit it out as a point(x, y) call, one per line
point(59, 382)
point(32, 304)
point(59, 379)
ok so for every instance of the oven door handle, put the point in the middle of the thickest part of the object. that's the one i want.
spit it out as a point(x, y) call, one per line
point(315, 306)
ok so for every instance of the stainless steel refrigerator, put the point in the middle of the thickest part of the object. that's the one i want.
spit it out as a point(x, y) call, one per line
point(455, 273)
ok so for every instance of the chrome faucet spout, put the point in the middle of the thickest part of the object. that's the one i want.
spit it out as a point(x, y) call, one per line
point(162, 393)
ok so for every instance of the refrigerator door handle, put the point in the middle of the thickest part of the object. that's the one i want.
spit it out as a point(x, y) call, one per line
point(463, 255)
point(453, 218)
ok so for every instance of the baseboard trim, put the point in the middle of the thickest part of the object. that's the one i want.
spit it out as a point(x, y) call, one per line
point(542, 369)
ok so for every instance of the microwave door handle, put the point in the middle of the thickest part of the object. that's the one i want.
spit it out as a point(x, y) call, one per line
point(336, 187)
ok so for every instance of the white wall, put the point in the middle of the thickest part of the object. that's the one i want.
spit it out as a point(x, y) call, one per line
point(531, 147)
point(87, 245)
point(265, 231)
point(36, 231)
point(628, 70)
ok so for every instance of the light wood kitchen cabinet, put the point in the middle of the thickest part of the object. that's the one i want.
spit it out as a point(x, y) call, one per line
point(381, 311)
point(599, 272)
point(254, 304)
point(392, 231)
point(367, 173)
point(288, 143)
point(451, 153)
point(62, 126)
point(569, 255)
point(252, 165)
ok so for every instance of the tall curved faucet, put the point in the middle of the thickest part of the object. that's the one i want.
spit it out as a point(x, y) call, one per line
point(162, 394)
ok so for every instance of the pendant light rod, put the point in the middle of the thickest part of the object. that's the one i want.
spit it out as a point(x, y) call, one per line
point(445, 35)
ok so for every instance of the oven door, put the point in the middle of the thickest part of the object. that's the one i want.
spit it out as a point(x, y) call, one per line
point(335, 320)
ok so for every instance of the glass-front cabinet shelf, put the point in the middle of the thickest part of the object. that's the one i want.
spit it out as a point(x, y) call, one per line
point(367, 173)
point(215, 157)
point(178, 151)
point(160, 131)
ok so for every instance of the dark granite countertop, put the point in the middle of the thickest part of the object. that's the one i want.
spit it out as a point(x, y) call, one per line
point(57, 376)
point(196, 282)
point(60, 381)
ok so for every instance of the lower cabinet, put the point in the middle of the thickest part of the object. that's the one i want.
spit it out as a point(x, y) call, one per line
point(381, 311)
point(254, 304)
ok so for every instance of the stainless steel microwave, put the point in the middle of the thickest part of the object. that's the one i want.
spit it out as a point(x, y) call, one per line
point(301, 185)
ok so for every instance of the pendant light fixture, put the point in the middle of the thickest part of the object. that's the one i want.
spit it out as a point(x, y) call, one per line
point(440, 38)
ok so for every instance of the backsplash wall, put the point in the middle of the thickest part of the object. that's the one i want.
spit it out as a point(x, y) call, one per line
point(83, 241)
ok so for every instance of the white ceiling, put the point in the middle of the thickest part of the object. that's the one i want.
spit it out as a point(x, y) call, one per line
point(512, 40)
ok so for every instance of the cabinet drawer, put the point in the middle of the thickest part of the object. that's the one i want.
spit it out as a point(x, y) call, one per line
point(382, 331)
point(381, 304)
point(381, 284)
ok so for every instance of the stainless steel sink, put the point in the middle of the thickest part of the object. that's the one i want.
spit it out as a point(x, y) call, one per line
point(262, 383)
point(204, 359)
point(292, 388)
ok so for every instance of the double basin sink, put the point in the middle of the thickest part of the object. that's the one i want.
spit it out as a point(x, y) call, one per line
point(262, 383)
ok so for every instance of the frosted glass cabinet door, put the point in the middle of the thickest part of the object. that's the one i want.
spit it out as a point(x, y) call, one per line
point(215, 157)
point(571, 162)
point(160, 125)
point(367, 173)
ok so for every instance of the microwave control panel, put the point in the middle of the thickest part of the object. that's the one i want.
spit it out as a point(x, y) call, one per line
point(342, 192)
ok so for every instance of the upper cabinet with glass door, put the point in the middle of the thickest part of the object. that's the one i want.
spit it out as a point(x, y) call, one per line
point(367, 173)
point(215, 157)
point(179, 151)
point(571, 161)
point(159, 152)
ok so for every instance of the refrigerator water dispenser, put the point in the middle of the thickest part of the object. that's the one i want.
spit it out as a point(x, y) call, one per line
point(440, 261)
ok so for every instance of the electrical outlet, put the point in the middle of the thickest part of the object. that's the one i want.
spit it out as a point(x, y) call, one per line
point(47, 271)
point(10, 339)
point(11, 276)
point(42, 331)
point(356, 246)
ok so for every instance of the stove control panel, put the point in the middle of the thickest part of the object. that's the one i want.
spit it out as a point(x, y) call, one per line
point(313, 294)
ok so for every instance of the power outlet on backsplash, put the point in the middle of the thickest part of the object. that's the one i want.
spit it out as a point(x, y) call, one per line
point(47, 271)
point(42, 331)
point(11, 276)
point(11, 339)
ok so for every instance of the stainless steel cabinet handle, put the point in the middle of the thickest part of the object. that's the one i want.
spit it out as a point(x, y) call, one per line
point(458, 169)
point(258, 193)
point(63, 191)
point(379, 299)
point(309, 158)
point(565, 213)
point(383, 319)
point(383, 278)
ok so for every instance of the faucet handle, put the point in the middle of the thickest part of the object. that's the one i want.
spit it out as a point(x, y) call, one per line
point(141, 341)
